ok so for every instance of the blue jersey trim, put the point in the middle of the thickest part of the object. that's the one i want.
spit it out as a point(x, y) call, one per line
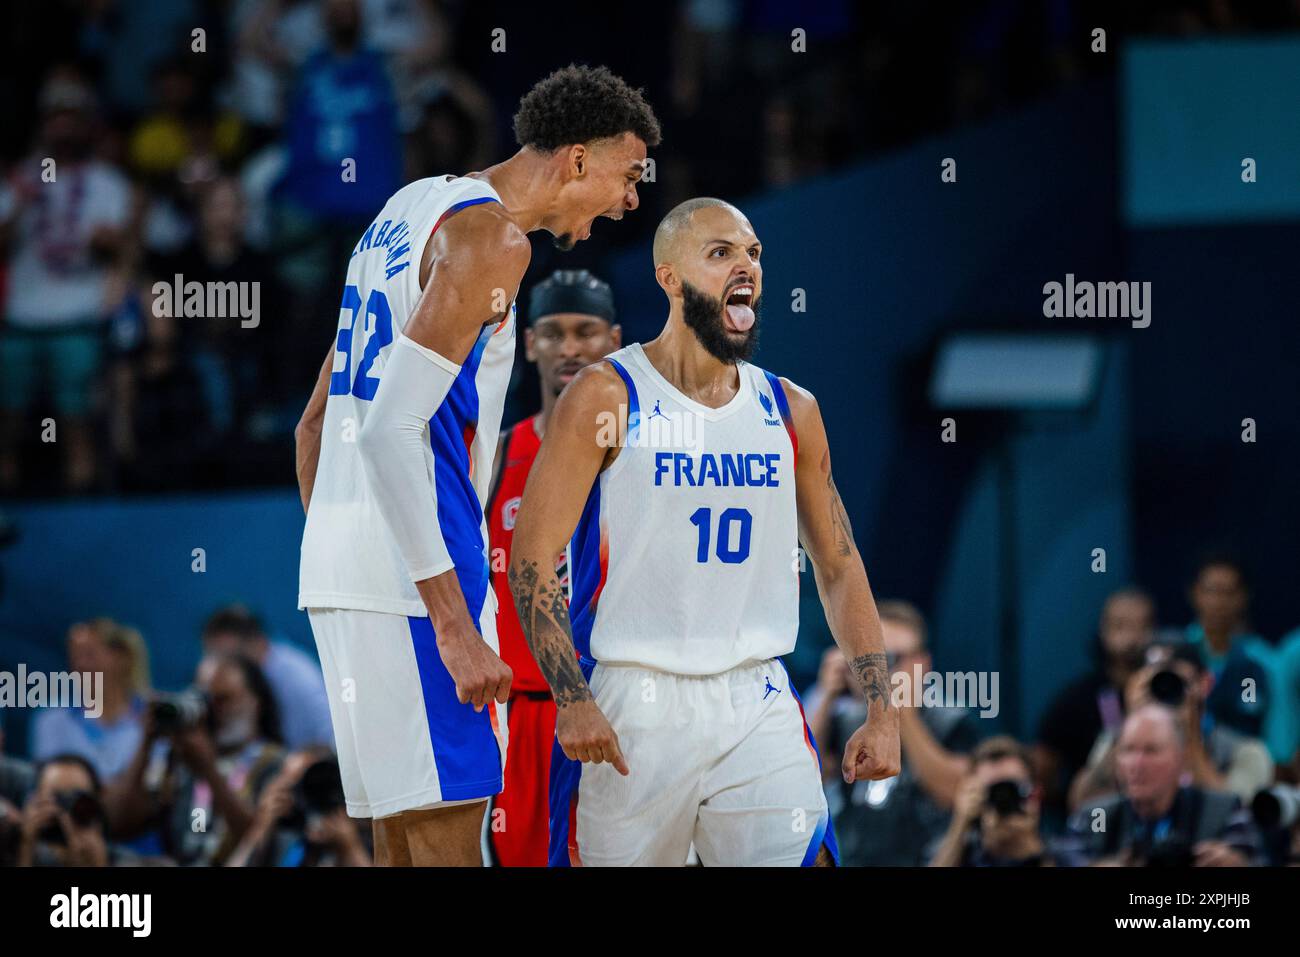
point(460, 514)
point(585, 572)
point(633, 404)
point(825, 831)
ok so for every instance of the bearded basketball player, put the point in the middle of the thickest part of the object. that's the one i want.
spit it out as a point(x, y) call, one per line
point(677, 723)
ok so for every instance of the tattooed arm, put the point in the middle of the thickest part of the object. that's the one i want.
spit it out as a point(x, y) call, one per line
point(568, 463)
point(873, 750)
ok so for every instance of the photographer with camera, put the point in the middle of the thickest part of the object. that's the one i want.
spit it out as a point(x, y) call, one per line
point(1217, 758)
point(302, 820)
point(995, 818)
point(206, 758)
point(62, 823)
point(1156, 820)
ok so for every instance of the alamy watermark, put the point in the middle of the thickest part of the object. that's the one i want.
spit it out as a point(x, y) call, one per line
point(977, 690)
point(54, 689)
point(1098, 300)
point(208, 300)
point(653, 429)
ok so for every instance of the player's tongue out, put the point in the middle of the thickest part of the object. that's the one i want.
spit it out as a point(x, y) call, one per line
point(739, 318)
point(739, 313)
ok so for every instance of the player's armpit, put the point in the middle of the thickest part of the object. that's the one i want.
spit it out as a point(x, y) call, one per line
point(476, 261)
point(567, 465)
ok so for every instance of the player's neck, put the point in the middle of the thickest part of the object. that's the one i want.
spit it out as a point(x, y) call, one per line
point(526, 184)
point(694, 371)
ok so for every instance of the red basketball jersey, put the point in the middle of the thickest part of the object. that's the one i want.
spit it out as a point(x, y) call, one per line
point(520, 451)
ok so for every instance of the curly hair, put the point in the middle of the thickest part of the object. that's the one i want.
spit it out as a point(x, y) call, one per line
point(578, 104)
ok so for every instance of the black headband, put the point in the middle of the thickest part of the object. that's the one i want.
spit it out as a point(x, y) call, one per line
point(571, 290)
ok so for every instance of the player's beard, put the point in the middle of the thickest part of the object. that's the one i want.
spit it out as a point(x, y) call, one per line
point(703, 315)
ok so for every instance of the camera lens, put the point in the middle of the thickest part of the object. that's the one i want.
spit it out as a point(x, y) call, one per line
point(1168, 688)
point(1006, 797)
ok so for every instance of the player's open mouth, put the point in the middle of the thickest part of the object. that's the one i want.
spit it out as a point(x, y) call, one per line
point(738, 314)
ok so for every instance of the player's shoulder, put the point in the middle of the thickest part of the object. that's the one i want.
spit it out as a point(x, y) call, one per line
point(598, 386)
point(487, 230)
point(800, 400)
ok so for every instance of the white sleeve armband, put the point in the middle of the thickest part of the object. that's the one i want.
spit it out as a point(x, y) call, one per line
point(414, 383)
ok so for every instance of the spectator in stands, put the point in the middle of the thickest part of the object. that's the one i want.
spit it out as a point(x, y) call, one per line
point(896, 820)
point(344, 161)
point(234, 362)
point(1094, 704)
point(996, 815)
point(209, 768)
point(162, 422)
point(183, 134)
point(1240, 660)
point(1155, 819)
point(1217, 758)
point(1286, 728)
point(302, 819)
point(107, 742)
point(64, 215)
point(293, 675)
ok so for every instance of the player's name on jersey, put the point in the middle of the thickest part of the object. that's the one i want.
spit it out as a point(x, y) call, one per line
point(391, 237)
point(722, 469)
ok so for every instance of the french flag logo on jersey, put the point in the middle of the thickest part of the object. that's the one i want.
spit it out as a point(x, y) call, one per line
point(766, 403)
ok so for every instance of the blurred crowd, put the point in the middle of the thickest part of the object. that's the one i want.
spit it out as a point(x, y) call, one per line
point(236, 770)
point(1181, 747)
point(209, 141)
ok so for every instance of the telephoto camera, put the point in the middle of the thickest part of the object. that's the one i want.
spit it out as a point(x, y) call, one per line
point(318, 792)
point(173, 713)
point(1169, 688)
point(81, 806)
point(1008, 797)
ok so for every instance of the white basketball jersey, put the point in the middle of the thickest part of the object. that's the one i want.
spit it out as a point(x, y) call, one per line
point(349, 558)
point(685, 559)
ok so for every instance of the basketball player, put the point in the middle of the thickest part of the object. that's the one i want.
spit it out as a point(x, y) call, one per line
point(395, 451)
point(678, 721)
point(570, 325)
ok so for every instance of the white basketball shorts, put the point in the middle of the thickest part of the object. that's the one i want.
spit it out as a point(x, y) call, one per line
point(722, 761)
point(404, 741)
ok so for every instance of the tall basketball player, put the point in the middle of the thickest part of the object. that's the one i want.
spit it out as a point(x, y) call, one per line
point(570, 325)
point(677, 720)
point(395, 452)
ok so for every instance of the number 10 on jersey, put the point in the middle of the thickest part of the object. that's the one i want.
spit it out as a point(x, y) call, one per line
point(702, 518)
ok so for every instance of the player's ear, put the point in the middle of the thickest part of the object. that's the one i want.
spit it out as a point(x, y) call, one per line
point(666, 276)
point(578, 160)
point(530, 350)
point(616, 336)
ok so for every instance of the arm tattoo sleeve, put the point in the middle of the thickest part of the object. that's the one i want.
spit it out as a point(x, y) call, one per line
point(544, 616)
point(873, 675)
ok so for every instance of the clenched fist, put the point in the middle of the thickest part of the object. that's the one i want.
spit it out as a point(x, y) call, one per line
point(586, 735)
point(478, 671)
